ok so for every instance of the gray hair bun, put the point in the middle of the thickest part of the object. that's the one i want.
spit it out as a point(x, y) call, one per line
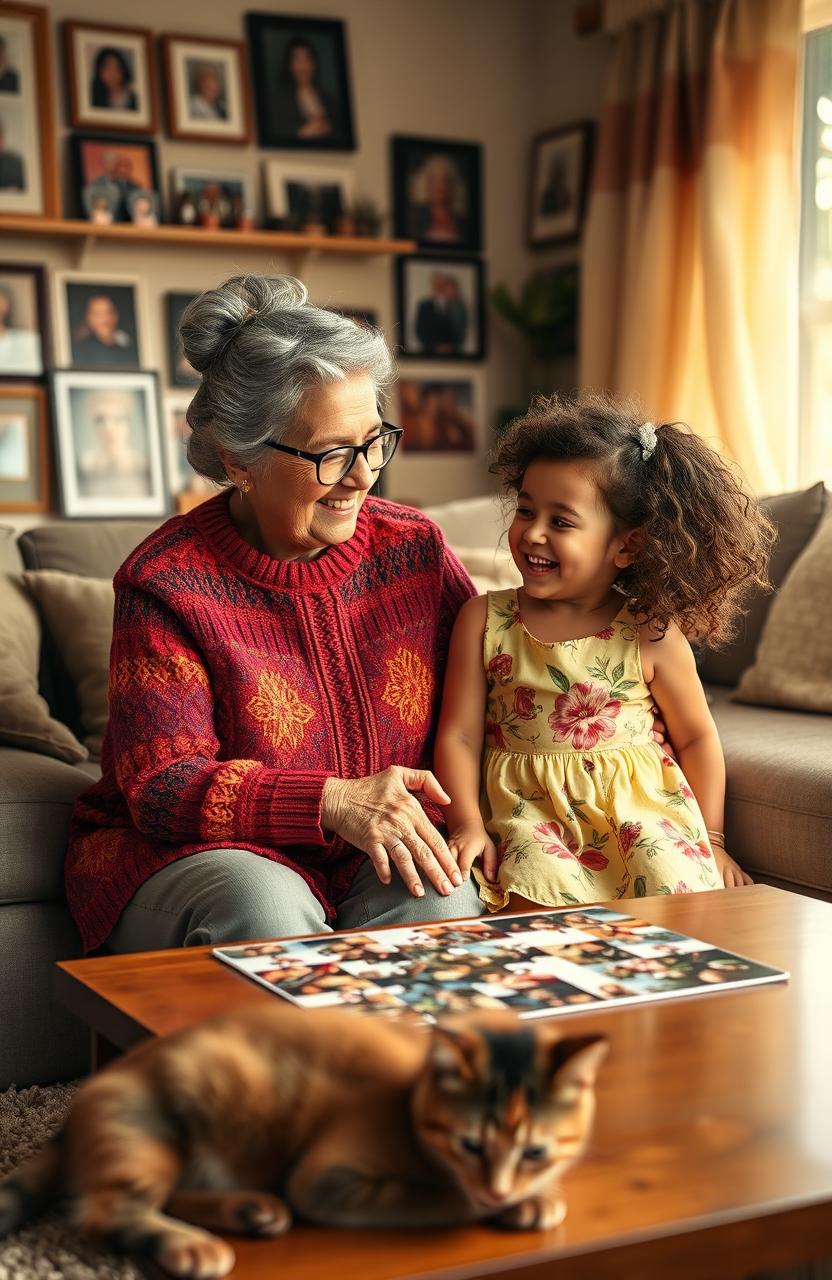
point(211, 322)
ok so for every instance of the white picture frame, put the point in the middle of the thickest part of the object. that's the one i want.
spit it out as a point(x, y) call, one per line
point(89, 44)
point(281, 175)
point(22, 121)
point(109, 454)
point(224, 114)
point(69, 288)
point(233, 184)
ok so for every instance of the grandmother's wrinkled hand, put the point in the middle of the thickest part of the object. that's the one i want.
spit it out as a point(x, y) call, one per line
point(379, 815)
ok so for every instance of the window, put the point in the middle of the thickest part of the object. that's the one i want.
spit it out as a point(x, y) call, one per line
point(816, 257)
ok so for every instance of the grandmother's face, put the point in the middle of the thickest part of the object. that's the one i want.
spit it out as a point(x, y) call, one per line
point(297, 516)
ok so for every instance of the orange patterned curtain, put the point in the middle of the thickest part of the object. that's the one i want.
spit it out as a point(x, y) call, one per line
point(689, 282)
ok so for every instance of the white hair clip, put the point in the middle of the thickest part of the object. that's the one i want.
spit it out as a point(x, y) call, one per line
point(647, 440)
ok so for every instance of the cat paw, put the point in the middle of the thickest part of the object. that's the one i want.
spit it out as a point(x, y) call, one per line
point(535, 1214)
point(189, 1256)
point(263, 1215)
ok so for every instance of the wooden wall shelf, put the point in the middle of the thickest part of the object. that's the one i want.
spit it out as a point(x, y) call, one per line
point(196, 237)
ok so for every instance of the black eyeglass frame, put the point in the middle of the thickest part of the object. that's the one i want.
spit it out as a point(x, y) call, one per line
point(363, 449)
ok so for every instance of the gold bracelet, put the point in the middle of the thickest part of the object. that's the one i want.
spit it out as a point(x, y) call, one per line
point(717, 838)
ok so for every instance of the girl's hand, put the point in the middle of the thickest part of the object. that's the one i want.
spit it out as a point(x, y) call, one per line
point(732, 873)
point(470, 841)
point(378, 815)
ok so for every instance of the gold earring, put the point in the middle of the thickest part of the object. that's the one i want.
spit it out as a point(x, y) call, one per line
point(244, 486)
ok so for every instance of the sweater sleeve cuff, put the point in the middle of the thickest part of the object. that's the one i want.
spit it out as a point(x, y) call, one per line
point(286, 807)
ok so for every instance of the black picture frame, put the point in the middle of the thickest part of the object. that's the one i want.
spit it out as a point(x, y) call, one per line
point(559, 171)
point(25, 370)
point(453, 328)
point(175, 304)
point(92, 167)
point(418, 163)
point(270, 39)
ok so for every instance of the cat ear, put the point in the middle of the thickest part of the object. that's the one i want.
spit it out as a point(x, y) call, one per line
point(453, 1056)
point(575, 1060)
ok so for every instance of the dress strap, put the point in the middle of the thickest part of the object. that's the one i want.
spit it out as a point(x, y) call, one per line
point(501, 613)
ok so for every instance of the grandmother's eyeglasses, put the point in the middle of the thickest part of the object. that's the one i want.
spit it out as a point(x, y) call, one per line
point(333, 464)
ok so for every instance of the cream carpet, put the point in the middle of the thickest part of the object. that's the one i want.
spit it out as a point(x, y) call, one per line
point(48, 1249)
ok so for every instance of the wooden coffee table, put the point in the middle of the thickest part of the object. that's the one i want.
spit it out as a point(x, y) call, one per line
point(712, 1151)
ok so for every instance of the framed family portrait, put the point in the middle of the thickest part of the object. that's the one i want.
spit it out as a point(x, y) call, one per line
point(108, 444)
point(112, 176)
point(24, 449)
point(301, 82)
point(200, 195)
point(111, 77)
point(304, 197)
point(187, 488)
point(441, 315)
point(99, 320)
point(558, 184)
point(436, 193)
point(24, 343)
point(181, 371)
point(28, 159)
point(438, 415)
point(206, 89)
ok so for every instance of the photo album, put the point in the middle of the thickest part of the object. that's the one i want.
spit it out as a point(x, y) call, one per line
point(537, 964)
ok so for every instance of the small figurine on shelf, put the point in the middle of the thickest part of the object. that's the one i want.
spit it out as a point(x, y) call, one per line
point(241, 215)
point(366, 216)
point(100, 200)
point(186, 209)
point(143, 208)
point(213, 206)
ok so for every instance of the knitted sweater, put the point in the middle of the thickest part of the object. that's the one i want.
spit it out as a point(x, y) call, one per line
point(240, 683)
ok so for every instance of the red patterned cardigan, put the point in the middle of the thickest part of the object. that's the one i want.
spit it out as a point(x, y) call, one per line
point(240, 683)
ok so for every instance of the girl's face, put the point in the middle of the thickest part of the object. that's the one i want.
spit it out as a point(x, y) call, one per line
point(563, 537)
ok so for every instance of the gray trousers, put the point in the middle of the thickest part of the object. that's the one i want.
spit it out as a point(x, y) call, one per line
point(232, 895)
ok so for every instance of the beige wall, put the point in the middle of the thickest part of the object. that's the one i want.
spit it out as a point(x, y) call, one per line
point(493, 71)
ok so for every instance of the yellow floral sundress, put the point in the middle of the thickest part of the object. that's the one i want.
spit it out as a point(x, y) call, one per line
point(583, 805)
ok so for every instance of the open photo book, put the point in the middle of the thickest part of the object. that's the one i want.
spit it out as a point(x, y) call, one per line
point(538, 964)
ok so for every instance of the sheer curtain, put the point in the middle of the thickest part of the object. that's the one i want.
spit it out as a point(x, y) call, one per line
point(689, 283)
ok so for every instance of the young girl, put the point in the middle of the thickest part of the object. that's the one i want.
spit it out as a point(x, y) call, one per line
point(628, 538)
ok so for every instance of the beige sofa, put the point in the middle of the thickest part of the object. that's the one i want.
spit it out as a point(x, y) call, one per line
point(779, 817)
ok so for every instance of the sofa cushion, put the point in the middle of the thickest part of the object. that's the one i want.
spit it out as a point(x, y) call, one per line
point(778, 816)
point(490, 570)
point(25, 720)
point(796, 517)
point(471, 522)
point(793, 666)
point(78, 613)
point(36, 799)
point(93, 548)
point(10, 561)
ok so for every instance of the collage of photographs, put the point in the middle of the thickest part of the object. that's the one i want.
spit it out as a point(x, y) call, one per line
point(536, 965)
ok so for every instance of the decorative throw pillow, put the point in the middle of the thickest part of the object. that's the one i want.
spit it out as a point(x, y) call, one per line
point(79, 614)
point(489, 570)
point(796, 517)
point(793, 667)
point(24, 715)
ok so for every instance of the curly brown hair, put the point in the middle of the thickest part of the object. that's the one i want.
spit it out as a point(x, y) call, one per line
point(706, 540)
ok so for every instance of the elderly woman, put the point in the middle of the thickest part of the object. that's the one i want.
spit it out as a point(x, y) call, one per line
point(277, 660)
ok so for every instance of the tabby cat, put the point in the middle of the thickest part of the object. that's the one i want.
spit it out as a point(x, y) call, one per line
point(243, 1121)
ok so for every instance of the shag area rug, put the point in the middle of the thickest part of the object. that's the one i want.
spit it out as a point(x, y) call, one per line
point(49, 1249)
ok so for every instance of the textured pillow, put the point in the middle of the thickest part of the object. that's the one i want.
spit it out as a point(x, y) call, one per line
point(489, 570)
point(79, 615)
point(24, 715)
point(796, 517)
point(793, 667)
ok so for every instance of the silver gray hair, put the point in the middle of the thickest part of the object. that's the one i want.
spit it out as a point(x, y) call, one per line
point(260, 345)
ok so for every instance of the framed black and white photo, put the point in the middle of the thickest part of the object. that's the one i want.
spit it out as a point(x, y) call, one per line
point(24, 454)
point(24, 344)
point(301, 82)
point(108, 444)
point(558, 184)
point(218, 198)
point(110, 174)
point(181, 371)
point(99, 320)
point(111, 77)
point(436, 193)
point(438, 415)
point(206, 87)
point(28, 163)
point(307, 197)
point(440, 307)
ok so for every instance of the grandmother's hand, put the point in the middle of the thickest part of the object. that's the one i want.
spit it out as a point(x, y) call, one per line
point(379, 815)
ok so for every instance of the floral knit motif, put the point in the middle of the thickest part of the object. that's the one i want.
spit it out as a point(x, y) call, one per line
point(581, 802)
point(240, 683)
